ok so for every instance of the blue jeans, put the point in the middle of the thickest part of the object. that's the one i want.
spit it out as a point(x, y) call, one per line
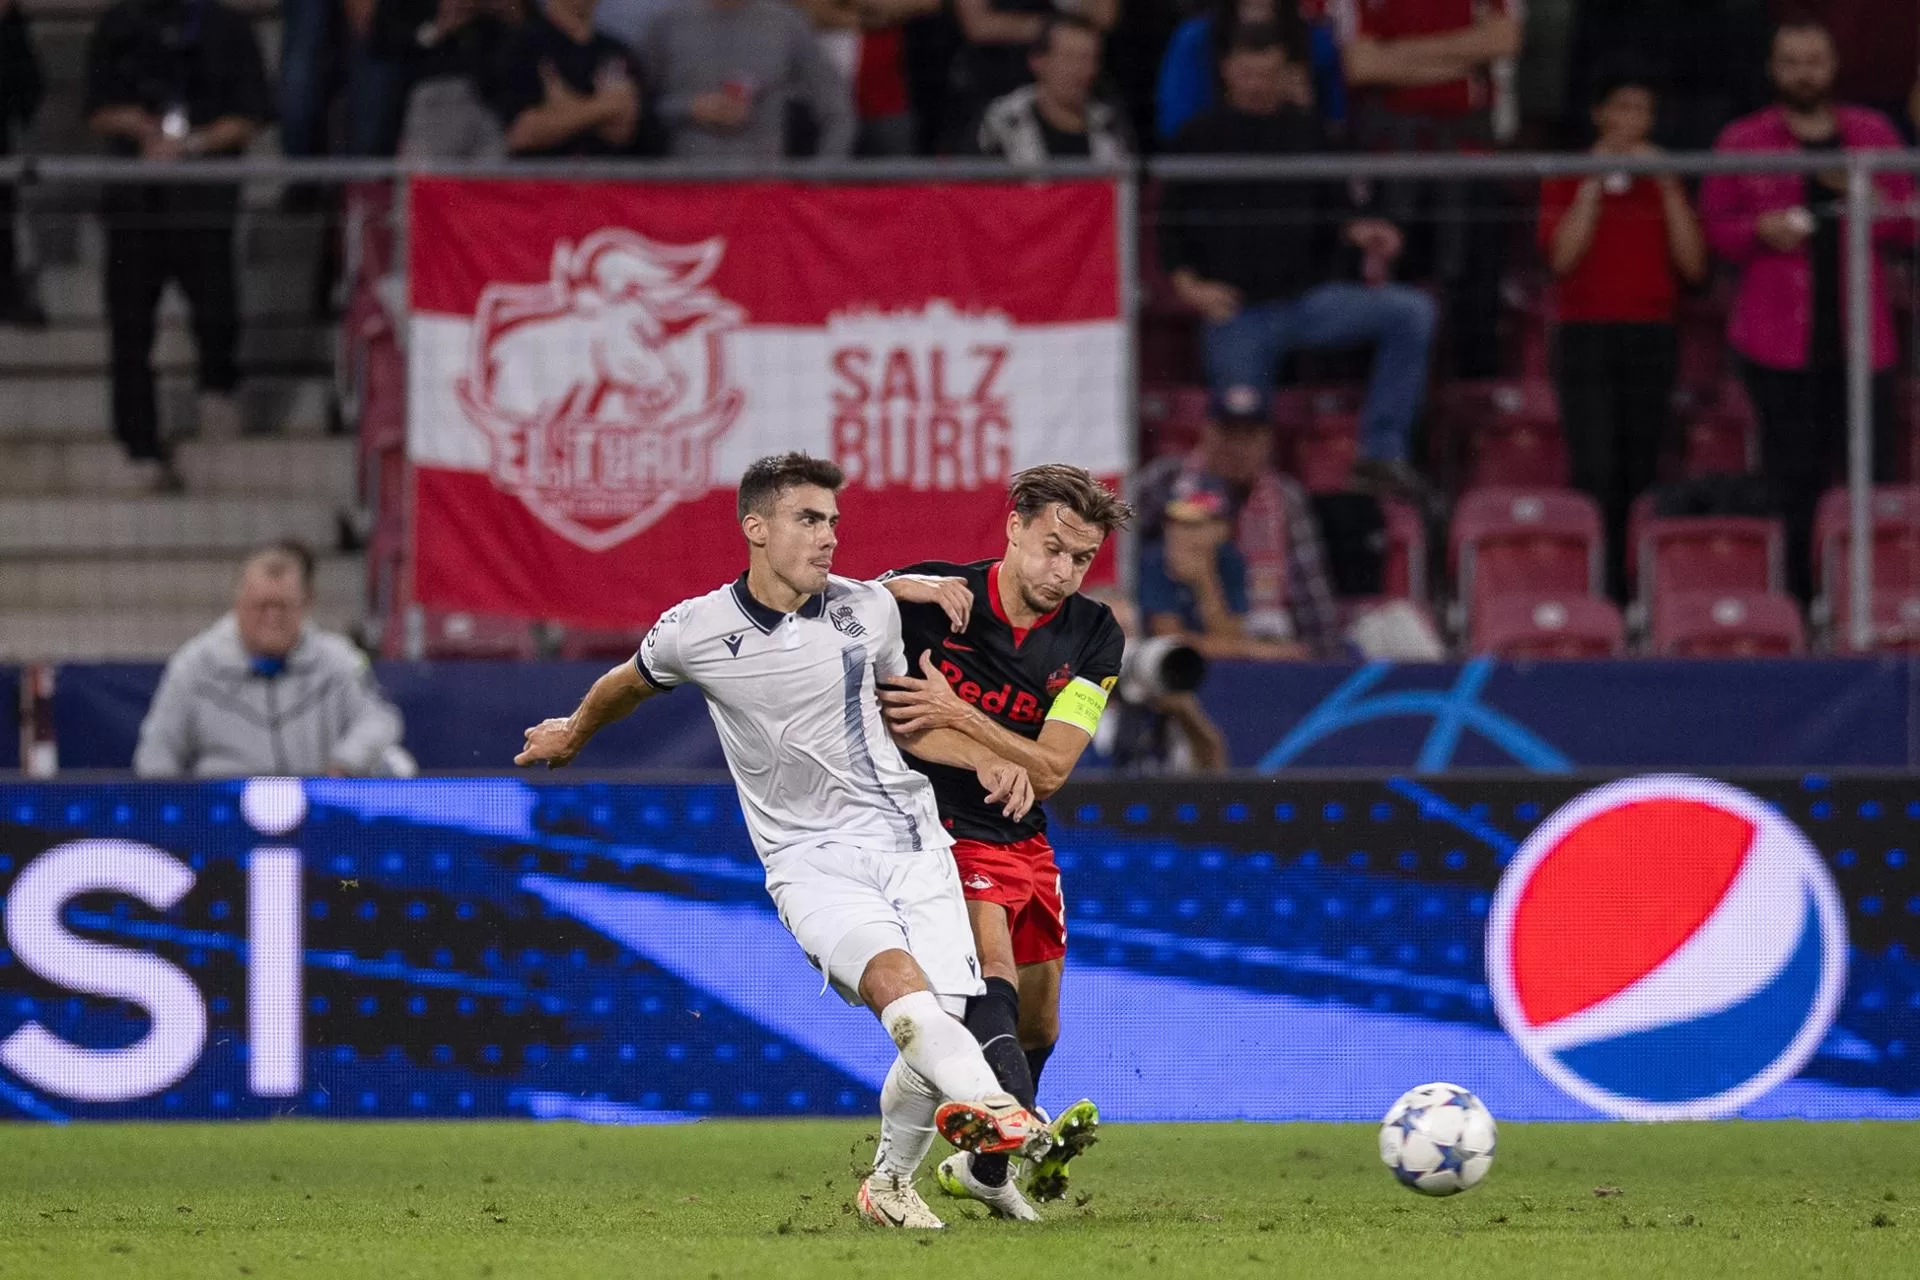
point(306, 57)
point(1395, 320)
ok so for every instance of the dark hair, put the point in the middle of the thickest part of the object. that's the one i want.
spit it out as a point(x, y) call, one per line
point(1260, 37)
point(285, 551)
point(1799, 20)
point(1043, 43)
point(1622, 73)
point(1037, 488)
point(1290, 30)
point(768, 478)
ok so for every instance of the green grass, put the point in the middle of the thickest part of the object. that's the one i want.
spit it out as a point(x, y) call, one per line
point(773, 1199)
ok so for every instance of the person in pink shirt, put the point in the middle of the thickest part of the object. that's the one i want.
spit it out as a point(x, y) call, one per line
point(1785, 232)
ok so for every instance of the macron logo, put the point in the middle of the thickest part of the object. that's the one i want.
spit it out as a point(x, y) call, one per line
point(733, 644)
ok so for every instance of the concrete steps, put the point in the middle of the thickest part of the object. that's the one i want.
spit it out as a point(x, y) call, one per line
point(56, 527)
point(79, 404)
point(104, 635)
point(312, 467)
point(201, 584)
point(82, 348)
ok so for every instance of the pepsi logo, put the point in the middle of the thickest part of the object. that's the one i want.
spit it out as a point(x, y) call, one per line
point(1667, 948)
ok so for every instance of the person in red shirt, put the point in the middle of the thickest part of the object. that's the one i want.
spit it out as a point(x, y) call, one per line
point(1620, 248)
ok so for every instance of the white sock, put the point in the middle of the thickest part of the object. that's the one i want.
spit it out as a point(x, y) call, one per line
point(907, 1104)
point(939, 1046)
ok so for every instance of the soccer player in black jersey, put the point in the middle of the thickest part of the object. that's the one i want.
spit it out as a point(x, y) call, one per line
point(1011, 655)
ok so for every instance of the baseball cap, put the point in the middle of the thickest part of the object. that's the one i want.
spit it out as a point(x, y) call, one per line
point(1197, 498)
point(1240, 406)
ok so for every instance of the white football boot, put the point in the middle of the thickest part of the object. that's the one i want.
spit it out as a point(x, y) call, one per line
point(955, 1176)
point(892, 1202)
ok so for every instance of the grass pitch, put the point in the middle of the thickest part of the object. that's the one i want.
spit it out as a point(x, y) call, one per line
point(774, 1199)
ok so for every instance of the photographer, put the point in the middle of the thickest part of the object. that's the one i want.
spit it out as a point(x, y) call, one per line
point(1155, 722)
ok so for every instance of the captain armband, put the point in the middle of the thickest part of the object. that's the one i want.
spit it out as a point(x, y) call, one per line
point(1080, 705)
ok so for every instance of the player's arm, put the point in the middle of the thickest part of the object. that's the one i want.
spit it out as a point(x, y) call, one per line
point(920, 705)
point(1008, 784)
point(656, 668)
point(556, 741)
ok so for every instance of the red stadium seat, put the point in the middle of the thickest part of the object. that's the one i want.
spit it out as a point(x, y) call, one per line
point(1895, 515)
point(1534, 626)
point(1683, 554)
point(1719, 442)
point(1896, 621)
point(475, 635)
point(1517, 452)
point(1404, 574)
point(1708, 624)
point(601, 643)
point(1171, 418)
point(1487, 399)
point(1324, 451)
point(1526, 542)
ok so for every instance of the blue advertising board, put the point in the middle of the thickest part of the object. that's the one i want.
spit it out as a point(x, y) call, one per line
point(1827, 713)
point(1237, 949)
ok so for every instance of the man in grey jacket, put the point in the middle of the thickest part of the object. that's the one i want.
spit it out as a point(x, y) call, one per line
point(263, 692)
point(725, 71)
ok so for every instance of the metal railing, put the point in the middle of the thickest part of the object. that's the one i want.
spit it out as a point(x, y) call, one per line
point(1861, 168)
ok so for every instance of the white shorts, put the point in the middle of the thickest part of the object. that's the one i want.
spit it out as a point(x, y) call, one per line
point(845, 905)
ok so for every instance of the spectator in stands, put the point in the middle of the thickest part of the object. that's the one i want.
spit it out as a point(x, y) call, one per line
point(1233, 554)
point(175, 82)
point(263, 691)
point(726, 72)
point(20, 88)
point(310, 34)
point(1436, 75)
point(1190, 70)
point(443, 51)
point(562, 88)
point(1877, 43)
point(866, 42)
point(1057, 116)
point(998, 35)
point(1620, 247)
point(1784, 232)
point(1261, 261)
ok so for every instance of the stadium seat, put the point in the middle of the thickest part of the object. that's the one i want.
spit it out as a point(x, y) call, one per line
point(1525, 542)
point(1535, 626)
point(1676, 555)
point(1324, 451)
point(1404, 575)
point(474, 635)
point(1720, 442)
point(1171, 418)
point(1895, 514)
point(601, 643)
point(1521, 452)
point(1742, 624)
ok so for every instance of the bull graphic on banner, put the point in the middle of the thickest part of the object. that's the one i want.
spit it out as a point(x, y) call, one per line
point(604, 389)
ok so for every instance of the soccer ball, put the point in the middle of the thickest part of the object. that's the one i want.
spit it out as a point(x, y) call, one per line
point(1438, 1139)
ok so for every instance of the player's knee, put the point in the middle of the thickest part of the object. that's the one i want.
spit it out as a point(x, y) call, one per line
point(888, 976)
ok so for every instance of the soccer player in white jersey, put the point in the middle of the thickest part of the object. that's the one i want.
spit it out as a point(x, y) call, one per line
point(857, 861)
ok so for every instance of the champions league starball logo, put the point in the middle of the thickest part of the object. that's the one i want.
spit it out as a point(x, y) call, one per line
point(1667, 948)
point(603, 389)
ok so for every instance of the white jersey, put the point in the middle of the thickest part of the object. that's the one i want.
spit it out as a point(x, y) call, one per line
point(793, 698)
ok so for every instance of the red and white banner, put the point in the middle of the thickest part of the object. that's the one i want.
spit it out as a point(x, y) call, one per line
point(593, 365)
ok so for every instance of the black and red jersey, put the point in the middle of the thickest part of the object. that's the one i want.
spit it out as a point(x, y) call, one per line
point(1011, 673)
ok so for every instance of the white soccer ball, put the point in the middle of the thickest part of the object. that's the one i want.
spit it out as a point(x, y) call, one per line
point(1438, 1139)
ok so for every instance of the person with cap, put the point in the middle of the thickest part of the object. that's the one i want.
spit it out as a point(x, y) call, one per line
point(1232, 555)
point(262, 691)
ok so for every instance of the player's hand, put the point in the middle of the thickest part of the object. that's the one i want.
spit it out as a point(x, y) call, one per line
point(550, 743)
point(914, 705)
point(953, 595)
point(1008, 786)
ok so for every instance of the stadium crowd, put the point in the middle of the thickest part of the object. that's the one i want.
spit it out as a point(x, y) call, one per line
point(1250, 282)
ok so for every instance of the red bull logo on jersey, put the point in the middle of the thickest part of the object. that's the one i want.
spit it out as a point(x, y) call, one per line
point(603, 390)
point(1667, 948)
